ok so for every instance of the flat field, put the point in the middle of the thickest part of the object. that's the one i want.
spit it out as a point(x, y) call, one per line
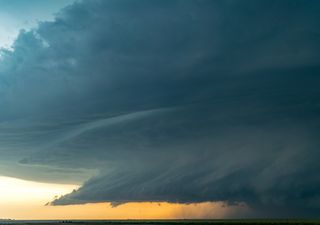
point(169, 222)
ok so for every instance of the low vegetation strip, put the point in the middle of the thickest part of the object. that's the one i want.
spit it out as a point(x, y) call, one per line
point(169, 222)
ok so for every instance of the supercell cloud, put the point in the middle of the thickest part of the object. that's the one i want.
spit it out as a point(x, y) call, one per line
point(179, 101)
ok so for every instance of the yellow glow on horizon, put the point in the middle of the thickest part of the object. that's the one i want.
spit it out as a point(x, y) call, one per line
point(16, 191)
point(20, 199)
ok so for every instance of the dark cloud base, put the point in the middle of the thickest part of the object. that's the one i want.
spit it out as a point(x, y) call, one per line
point(176, 101)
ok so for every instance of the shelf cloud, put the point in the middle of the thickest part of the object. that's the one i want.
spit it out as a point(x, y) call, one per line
point(181, 101)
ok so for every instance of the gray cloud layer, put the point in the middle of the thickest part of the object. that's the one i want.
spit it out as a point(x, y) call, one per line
point(179, 101)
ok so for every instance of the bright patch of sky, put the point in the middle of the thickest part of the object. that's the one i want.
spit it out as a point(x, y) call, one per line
point(21, 14)
point(21, 199)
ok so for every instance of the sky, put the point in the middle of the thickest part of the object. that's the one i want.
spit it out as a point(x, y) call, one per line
point(159, 109)
point(19, 14)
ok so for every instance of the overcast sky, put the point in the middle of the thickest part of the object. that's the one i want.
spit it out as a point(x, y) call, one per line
point(180, 101)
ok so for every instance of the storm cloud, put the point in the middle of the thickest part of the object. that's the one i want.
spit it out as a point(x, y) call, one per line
point(179, 101)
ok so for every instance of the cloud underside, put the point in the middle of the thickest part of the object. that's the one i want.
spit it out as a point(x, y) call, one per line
point(176, 101)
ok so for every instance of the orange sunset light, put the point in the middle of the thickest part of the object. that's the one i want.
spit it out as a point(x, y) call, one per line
point(22, 199)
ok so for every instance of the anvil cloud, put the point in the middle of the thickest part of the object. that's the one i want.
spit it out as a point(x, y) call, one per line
point(179, 101)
